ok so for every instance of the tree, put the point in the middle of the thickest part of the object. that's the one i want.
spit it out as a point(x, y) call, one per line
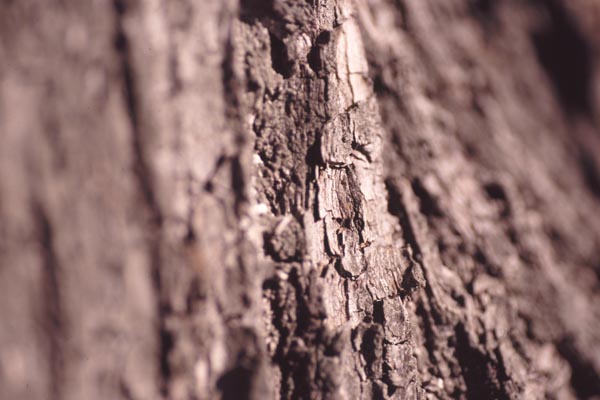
point(299, 199)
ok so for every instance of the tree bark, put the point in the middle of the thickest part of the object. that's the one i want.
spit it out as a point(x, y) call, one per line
point(320, 199)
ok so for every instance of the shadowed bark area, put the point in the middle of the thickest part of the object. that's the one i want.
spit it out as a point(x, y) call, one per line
point(333, 199)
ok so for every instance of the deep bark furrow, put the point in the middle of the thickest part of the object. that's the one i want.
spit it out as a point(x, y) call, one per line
point(131, 93)
point(144, 177)
point(52, 308)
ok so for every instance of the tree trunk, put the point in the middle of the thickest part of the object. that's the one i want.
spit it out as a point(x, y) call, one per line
point(319, 199)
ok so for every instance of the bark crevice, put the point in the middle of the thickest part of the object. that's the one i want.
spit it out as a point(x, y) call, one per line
point(52, 303)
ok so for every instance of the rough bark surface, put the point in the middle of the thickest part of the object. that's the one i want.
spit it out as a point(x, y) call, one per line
point(319, 199)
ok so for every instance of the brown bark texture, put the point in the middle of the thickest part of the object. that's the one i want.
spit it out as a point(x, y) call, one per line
point(299, 199)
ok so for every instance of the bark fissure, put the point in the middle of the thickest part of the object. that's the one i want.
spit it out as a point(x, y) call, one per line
point(130, 91)
point(584, 378)
point(557, 42)
point(142, 171)
point(52, 303)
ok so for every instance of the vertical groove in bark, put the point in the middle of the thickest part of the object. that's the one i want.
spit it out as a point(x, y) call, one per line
point(584, 378)
point(52, 307)
point(130, 92)
point(71, 158)
point(146, 184)
point(558, 41)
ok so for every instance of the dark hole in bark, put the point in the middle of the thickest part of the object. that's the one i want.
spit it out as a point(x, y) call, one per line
point(565, 55)
point(484, 10)
point(340, 269)
point(297, 371)
point(194, 295)
point(490, 267)
point(476, 369)
point(323, 38)
point(270, 284)
point(428, 204)
point(391, 390)
point(513, 235)
point(496, 192)
point(251, 10)
point(591, 172)
point(378, 315)
point(584, 378)
point(120, 6)
point(167, 343)
point(313, 154)
point(314, 58)
point(252, 85)
point(486, 7)
point(190, 236)
point(378, 393)
point(302, 311)
point(235, 384)
point(238, 181)
point(279, 57)
point(369, 348)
